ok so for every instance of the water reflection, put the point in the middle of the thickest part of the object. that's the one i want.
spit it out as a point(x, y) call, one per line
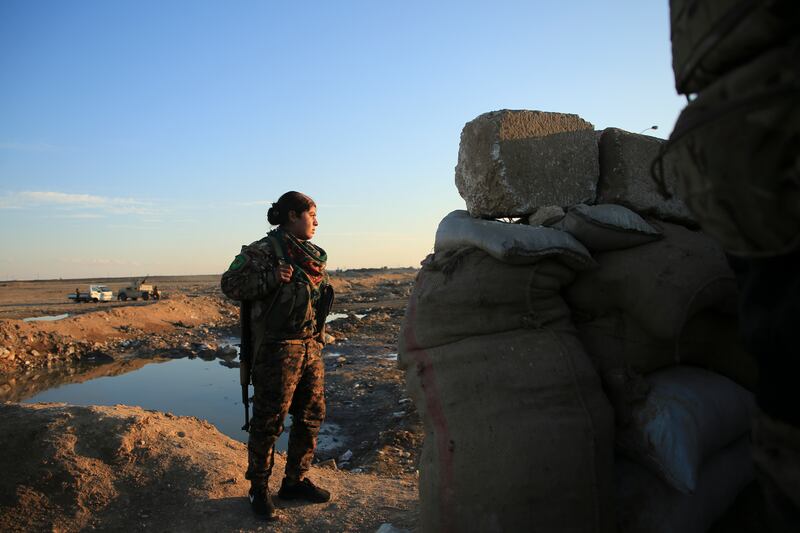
point(185, 387)
point(206, 389)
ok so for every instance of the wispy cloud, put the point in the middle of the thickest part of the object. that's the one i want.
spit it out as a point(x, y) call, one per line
point(82, 215)
point(89, 205)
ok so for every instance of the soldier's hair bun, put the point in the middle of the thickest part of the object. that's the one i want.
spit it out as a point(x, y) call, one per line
point(291, 201)
point(273, 214)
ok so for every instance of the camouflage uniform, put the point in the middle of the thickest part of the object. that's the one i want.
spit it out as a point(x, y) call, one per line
point(287, 370)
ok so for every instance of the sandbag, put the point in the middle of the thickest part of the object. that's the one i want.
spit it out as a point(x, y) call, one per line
point(645, 504)
point(744, 188)
point(689, 415)
point(466, 292)
point(518, 435)
point(709, 339)
point(712, 340)
point(607, 227)
point(659, 284)
point(511, 243)
point(618, 340)
point(711, 37)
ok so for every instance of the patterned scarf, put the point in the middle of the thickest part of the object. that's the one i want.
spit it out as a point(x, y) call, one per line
point(307, 259)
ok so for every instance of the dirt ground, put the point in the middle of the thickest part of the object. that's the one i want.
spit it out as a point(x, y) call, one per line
point(125, 469)
point(365, 391)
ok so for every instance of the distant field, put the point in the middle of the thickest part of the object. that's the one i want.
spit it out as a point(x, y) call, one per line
point(23, 299)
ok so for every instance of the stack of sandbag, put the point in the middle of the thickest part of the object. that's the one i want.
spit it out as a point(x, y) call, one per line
point(518, 433)
point(660, 303)
point(519, 332)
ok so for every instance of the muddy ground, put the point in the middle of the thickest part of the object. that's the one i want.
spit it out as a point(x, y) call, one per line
point(364, 389)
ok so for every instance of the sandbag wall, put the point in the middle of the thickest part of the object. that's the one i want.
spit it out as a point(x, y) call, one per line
point(522, 334)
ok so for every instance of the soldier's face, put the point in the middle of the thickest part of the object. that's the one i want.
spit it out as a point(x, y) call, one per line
point(303, 225)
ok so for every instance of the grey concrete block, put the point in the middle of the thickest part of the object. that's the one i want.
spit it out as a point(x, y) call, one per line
point(625, 177)
point(511, 162)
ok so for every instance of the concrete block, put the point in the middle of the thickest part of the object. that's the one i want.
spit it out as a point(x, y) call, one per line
point(511, 162)
point(625, 178)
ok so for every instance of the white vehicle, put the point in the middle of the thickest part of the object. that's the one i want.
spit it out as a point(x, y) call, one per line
point(96, 293)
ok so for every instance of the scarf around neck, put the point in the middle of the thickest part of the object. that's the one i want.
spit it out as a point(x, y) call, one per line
point(307, 259)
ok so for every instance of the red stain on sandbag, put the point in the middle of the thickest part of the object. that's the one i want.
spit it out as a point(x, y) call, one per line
point(444, 445)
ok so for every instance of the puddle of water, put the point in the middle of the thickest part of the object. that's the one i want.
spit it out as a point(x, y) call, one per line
point(50, 318)
point(185, 387)
point(390, 356)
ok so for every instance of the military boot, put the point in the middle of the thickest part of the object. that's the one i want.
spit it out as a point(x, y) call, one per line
point(292, 489)
point(261, 502)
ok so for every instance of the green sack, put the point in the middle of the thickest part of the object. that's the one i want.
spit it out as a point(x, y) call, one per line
point(712, 37)
point(737, 152)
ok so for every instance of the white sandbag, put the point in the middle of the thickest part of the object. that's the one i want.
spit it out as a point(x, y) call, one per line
point(690, 414)
point(511, 243)
point(645, 504)
point(466, 292)
point(607, 227)
point(518, 435)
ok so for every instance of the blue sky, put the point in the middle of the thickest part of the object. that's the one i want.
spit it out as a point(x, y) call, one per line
point(149, 137)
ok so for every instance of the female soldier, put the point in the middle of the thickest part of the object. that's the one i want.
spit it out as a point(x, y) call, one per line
point(283, 278)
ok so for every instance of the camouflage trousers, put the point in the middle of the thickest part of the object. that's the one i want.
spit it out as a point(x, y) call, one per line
point(288, 377)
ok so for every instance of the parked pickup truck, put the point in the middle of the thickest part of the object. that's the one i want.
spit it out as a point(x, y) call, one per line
point(96, 293)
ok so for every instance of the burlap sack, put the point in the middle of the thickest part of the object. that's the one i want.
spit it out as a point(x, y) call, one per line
point(712, 340)
point(659, 285)
point(518, 434)
point(466, 292)
point(618, 340)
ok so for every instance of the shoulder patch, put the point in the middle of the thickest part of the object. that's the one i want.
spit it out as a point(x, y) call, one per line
point(238, 262)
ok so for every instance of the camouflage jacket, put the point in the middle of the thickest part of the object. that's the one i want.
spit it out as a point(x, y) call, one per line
point(278, 311)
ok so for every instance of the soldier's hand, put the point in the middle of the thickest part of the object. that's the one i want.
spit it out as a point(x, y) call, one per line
point(285, 272)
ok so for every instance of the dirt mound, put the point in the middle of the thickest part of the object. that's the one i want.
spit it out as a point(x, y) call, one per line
point(69, 468)
point(40, 342)
point(158, 317)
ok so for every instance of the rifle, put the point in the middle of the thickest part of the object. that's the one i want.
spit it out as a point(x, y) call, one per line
point(324, 306)
point(245, 359)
